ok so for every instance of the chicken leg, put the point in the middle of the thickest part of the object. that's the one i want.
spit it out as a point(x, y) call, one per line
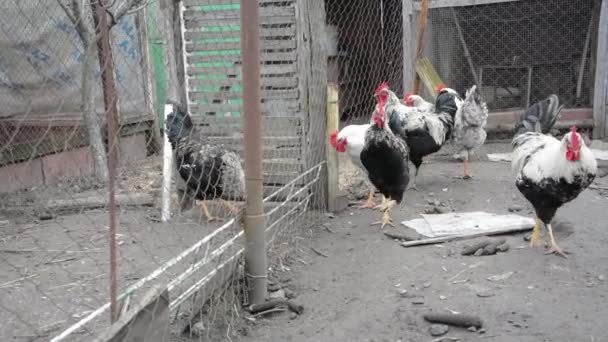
point(555, 249)
point(382, 206)
point(386, 216)
point(535, 237)
point(413, 186)
point(207, 213)
point(369, 204)
point(465, 169)
point(231, 208)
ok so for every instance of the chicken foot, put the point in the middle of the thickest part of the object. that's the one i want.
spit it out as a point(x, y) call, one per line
point(386, 216)
point(231, 208)
point(413, 186)
point(555, 249)
point(370, 203)
point(206, 212)
point(465, 169)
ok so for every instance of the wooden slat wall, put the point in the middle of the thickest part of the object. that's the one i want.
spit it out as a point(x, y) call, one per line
point(212, 45)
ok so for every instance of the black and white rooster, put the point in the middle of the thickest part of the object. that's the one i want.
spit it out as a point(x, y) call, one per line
point(549, 172)
point(424, 131)
point(210, 171)
point(385, 157)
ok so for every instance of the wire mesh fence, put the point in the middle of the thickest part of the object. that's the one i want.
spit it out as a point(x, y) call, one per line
point(54, 143)
point(516, 52)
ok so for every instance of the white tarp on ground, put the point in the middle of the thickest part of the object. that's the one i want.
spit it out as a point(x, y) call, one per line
point(468, 223)
point(41, 61)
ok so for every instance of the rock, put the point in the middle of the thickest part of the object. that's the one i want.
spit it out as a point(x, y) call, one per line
point(403, 293)
point(198, 329)
point(438, 329)
point(472, 329)
point(278, 294)
point(426, 285)
point(481, 331)
point(442, 297)
point(490, 249)
point(527, 237)
point(46, 216)
point(418, 301)
point(503, 248)
point(289, 294)
point(515, 208)
point(499, 277)
point(601, 277)
point(485, 294)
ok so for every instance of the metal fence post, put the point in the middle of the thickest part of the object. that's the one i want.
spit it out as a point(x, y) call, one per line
point(111, 106)
point(255, 220)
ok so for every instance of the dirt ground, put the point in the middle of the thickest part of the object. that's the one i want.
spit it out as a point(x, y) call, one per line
point(54, 270)
point(369, 288)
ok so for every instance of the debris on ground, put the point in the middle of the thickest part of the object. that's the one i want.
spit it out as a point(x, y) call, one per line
point(275, 306)
point(486, 247)
point(500, 277)
point(401, 234)
point(438, 329)
point(457, 320)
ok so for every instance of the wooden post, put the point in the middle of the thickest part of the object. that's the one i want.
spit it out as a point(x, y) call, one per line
point(600, 95)
point(408, 64)
point(332, 155)
point(312, 49)
point(422, 19)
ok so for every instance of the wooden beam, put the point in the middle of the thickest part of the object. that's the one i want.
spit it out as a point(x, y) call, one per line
point(458, 3)
point(312, 27)
point(333, 124)
point(600, 96)
point(422, 20)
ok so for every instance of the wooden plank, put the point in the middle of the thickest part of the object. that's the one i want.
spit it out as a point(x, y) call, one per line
point(264, 12)
point(288, 31)
point(265, 44)
point(194, 24)
point(293, 141)
point(458, 3)
point(600, 96)
point(333, 124)
point(289, 56)
point(147, 320)
point(312, 26)
point(268, 69)
point(266, 94)
point(267, 82)
point(428, 75)
point(288, 107)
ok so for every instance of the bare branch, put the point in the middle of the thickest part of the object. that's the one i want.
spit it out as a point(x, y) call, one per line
point(128, 7)
point(68, 12)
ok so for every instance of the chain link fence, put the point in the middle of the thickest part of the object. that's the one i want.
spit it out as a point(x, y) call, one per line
point(54, 212)
point(517, 52)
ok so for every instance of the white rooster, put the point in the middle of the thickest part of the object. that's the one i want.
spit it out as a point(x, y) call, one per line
point(469, 127)
point(417, 101)
point(549, 172)
point(351, 140)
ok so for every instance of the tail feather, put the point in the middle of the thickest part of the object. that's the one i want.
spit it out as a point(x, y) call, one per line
point(474, 109)
point(540, 117)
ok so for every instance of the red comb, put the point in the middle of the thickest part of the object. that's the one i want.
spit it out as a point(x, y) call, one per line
point(383, 86)
point(407, 96)
point(575, 141)
point(440, 87)
point(333, 139)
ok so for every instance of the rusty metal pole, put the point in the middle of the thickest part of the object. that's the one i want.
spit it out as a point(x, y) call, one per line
point(255, 220)
point(110, 101)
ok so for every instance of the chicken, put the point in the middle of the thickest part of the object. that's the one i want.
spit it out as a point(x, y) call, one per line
point(424, 132)
point(549, 172)
point(469, 127)
point(350, 140)
point(210, 171)
point(385, 157)
point(417, 101)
